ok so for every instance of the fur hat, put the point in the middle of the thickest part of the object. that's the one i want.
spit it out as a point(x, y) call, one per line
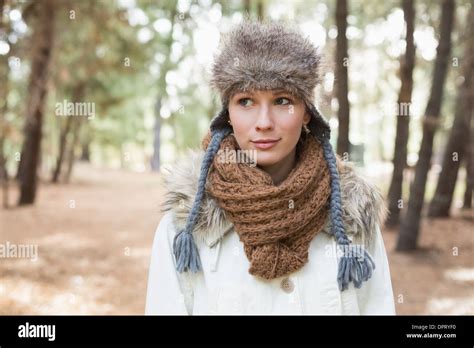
point(266, 56)
point(256, 56)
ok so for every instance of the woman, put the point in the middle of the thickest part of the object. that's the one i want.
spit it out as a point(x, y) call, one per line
point(298, 233)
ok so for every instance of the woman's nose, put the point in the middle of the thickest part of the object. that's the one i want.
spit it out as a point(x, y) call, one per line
point(264, 120)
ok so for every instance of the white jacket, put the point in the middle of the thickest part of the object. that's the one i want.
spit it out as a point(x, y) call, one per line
point(224, 285)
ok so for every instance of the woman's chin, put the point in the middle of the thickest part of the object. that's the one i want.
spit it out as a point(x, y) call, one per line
point(265, 159)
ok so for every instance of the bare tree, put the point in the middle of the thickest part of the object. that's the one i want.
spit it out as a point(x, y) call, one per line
point(71, 155)
point(77, 96)
point(410, 226)
point(469, 163)
point(166, 66)
point(260, 10)
point(342, 80)
point(43, 35)
point(4, 88)
point(247, 7)
point(407, 65)
point(459, 138)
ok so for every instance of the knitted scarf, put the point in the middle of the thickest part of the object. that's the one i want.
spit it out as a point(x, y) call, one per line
point(276, 224)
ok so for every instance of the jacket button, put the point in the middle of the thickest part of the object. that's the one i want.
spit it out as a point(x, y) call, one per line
point(287, 285)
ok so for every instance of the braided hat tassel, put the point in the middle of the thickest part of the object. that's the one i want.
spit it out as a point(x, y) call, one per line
point(184, 247)
point(356, 265)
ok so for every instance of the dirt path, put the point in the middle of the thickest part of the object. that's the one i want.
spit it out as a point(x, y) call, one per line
point(439, 277)
point(94, 238)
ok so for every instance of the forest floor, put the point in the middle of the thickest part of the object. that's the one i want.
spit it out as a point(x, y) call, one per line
point(94, 240)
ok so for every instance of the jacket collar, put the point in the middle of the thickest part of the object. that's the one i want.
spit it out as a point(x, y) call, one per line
point(363, 204)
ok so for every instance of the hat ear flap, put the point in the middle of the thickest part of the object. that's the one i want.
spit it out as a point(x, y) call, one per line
point(184, 247)
point(356, 264)
point(318, 124)
point(220, 121)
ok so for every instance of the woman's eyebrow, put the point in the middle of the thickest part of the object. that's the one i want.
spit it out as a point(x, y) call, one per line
point(241, 94)
point(275, 93)
point(280, 91)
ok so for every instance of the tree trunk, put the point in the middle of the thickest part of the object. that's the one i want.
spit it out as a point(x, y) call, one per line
point(410, 226)
point(85, 143)
point(342, 85)
point(469, 162)
point(85, 151)
point(62, 148)
point(459, 137)
point(403, 117)
point(469, 186)
point(71, 150)
point(2, 5)
point(43, 35)
point(3, 128)
point(155, 160)
point(247, 7)
point(4, 89)
point(65, 132)
point(260, 10)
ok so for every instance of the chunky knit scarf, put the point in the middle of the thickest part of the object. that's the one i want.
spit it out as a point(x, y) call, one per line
point(276, 224)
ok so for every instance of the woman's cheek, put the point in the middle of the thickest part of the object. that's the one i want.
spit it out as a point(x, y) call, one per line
point(242, 136)
point(291, 127)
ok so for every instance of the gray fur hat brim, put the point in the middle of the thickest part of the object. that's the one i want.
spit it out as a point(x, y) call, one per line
point(266, 56)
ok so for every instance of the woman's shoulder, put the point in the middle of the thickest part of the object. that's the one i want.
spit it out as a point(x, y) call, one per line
point(164, 231)
point(364, 208)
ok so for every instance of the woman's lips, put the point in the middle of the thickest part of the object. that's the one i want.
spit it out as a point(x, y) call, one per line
point(265, 144)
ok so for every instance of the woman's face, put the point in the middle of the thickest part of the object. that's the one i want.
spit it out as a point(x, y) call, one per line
point(269, 122)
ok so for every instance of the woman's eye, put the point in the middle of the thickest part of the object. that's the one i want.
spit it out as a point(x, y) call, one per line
point(283, 101)
point(245, 102)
